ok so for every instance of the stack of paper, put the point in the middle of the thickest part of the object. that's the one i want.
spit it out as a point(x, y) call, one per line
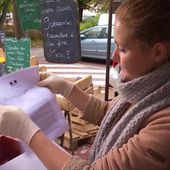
point(19, 89)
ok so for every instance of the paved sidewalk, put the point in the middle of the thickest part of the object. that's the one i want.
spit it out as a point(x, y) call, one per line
point(75, 70)
point(78, 70)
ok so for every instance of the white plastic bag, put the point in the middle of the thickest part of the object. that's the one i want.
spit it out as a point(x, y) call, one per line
point(114, 75)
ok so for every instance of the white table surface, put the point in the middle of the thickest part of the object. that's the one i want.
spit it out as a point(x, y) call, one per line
point(24, 162)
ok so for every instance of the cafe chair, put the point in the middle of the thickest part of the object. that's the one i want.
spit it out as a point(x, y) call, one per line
point(85, 83)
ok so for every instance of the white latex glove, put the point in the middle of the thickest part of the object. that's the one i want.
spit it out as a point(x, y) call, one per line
point(56, 84)
point(15, 122)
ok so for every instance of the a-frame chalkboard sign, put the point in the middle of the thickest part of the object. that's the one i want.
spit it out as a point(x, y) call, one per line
point(60, 28)
point(29, 14)
point(17, 54)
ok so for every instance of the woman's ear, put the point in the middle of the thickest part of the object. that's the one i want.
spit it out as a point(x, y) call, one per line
point(160, 53)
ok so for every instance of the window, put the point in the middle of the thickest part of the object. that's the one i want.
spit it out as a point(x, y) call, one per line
point(93, 33)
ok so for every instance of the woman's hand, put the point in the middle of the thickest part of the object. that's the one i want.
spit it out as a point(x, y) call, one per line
point(15, 122)
point(56, 84)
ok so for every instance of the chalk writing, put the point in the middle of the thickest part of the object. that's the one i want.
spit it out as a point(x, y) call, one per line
point(29, 14)
point(62, 9)
point(17, 54)
point(59, 35)
point(60, 30)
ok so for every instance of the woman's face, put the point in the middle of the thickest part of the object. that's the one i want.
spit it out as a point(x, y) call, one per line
point(134, 62)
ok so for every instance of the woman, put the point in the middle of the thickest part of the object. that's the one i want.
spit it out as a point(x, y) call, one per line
point(135, 129)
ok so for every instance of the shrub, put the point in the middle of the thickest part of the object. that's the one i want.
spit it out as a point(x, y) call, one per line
point(35, 35)
point(90, 22)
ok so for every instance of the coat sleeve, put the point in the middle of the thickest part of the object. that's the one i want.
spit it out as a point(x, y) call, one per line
point(149, 149)
point(95, 110)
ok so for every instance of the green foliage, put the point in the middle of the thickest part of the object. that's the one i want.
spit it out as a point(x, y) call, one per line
point(84, 4)
point(5, 6)
point(35, 35)
point(36, 43)
point(90, 22)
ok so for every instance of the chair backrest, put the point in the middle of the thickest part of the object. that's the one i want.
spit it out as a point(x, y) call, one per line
point(84, 83)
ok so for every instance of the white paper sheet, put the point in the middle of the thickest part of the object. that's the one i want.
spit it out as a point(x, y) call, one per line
point(19, 88)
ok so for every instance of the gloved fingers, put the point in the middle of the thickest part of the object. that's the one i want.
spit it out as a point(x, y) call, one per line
point(48, 79)
point(45, 79)
point(55, 83)
point(15, 122)
point(42, 68)
point(45, 82)
point(8, 108)
point(9, 119)
point(44, 75)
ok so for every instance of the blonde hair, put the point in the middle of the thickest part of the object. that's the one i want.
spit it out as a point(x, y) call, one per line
point(147, 20)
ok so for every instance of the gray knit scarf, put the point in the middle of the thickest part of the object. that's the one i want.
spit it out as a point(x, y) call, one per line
point(147, 94)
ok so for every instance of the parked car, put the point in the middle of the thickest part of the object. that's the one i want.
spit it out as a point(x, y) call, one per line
point(94, 42)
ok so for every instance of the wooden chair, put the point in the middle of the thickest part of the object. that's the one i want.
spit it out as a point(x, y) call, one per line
point(35, 62)
point(85, 83)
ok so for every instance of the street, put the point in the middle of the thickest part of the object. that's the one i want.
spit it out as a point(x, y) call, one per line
point(76, 70)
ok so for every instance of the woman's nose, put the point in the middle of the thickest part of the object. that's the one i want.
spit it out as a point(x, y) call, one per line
point(115, 55)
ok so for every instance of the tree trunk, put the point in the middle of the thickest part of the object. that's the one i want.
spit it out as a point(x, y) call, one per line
point(80, 7)
point(17, 26)
point(80, 14)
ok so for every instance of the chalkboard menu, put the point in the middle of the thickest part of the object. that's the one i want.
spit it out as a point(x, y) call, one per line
point(29, 14)
point(60, 28)
point(17, 54)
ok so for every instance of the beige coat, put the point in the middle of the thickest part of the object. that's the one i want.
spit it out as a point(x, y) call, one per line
point(149, 149)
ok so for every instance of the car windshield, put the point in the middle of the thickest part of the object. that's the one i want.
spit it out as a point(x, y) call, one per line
point(97, 32)
point(93, 33)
